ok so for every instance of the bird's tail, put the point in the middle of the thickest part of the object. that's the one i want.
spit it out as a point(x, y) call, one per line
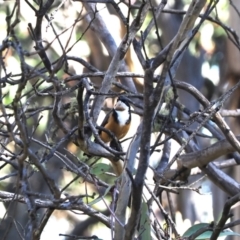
point(117, 164)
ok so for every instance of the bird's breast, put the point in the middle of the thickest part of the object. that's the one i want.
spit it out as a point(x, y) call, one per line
point(122, 117)
point(118, 128)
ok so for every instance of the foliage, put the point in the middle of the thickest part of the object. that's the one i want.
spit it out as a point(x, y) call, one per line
point(206, 234)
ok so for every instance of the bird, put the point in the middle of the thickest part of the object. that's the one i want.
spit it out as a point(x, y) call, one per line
point(118, 122)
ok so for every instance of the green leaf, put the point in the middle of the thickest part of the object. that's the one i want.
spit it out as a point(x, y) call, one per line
point(100, 197)
point(99, 168)
point(145, 223)
point(207, 234)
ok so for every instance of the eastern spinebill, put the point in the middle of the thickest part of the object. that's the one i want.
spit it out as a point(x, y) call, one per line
point(118, 121)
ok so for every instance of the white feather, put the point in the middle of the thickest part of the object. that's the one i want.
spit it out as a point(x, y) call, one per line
point(123, 116)
point(122, 111)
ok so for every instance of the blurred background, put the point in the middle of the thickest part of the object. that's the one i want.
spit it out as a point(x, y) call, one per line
point(211, 64)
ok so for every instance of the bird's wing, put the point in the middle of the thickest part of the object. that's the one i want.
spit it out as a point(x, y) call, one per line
point(105, 120)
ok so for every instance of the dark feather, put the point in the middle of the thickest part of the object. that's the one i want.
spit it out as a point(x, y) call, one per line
point(124, 99)
point(115, 116)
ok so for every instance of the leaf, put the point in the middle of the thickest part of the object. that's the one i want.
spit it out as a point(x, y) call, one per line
point(99, 168)
point(145, 224)
point(207, 234)
point(100, 197)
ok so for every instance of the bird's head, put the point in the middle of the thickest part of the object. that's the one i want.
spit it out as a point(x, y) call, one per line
point(122, 104)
